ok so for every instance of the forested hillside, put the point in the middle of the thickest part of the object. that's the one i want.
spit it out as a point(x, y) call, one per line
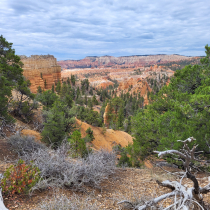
point(177, 111)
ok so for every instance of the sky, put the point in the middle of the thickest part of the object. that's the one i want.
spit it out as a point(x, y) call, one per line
point(79, 28)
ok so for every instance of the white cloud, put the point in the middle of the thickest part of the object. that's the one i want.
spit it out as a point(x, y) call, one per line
point(75, 29)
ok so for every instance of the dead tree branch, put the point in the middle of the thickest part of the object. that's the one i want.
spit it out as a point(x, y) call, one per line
point(185, 197)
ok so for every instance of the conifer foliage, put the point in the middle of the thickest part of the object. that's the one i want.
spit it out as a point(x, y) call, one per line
point(178, 111)
point(10, 73)
point(11, 77)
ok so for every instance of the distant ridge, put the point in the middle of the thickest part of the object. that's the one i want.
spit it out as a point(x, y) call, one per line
point(122, 61)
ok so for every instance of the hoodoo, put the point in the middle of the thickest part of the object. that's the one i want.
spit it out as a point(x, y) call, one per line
point(41, 70)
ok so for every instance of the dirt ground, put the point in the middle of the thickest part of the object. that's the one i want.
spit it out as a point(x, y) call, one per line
point(128, 183)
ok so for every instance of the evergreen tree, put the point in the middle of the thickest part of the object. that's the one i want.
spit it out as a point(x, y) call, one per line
point(60, 121)
point(90, 103)
point(117, 103)
point(10, 74)
point(178, 111)
point(53, 88)
point(58, 87)
point(73, 93)
point(129, 125)
point(78, 92)
point(39, 89)
point(68, 100)
point(73, 79)
point(22, 106)
point(120, 118)
point(68, 81)
point(45, 84)
point(83, 90)
point(85, 100)
point(47, 98)
point(91, 91)
point(94, 100)
point(109, 112)
point(90, 136)
point(77, 144)
point(64, 90)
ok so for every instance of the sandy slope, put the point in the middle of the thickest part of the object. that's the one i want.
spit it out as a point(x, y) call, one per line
point(107, 140)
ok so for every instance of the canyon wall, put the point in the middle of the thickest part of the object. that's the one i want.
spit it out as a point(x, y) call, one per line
point(41, 68)
point(121, 62)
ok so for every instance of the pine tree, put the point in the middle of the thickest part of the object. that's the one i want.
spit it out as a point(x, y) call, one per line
point(129, 125)
point(91, 91)
point(73, 79)
point(64, 90)
point(77, 144)
point(90, 135)
point(78, 92)
point(39, 89)
point(58, 87)
point(53, 89)
point(90, 103)
point(68, 81)
point(120, 118)
point(95, 102)
point(45, 84)
point(60, 121)
point(10, 74)
point(85, 100)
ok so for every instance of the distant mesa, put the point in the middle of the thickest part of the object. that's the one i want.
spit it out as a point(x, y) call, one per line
point(121, 62)
point(41, 70)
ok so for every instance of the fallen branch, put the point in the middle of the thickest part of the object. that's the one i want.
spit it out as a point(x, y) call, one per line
point(2, 206)
point(184, 198)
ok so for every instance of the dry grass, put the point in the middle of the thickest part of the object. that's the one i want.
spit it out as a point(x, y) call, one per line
point(61, 202)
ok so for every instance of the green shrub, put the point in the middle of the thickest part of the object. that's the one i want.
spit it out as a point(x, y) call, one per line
point(124, 160)
point(78, 146)
point(59, 122)
point(90, 137)
point(47, 98)
point(19, 178)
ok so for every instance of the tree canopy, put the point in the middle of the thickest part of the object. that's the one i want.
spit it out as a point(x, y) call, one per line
point(10, 76)
point(178, 111)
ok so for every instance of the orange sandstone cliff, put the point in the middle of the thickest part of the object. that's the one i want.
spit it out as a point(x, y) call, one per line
point(37, 65)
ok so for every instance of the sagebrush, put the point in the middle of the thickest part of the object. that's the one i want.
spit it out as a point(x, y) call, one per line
point(59, 169)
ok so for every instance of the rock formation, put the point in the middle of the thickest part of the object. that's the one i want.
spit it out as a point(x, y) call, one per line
point(41, 68)
point(119, 62)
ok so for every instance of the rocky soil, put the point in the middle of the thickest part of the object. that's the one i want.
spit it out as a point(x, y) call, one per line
point(128, 183)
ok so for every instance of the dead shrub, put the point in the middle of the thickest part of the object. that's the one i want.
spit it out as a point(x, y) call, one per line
point(24, 145)
point(58, 169)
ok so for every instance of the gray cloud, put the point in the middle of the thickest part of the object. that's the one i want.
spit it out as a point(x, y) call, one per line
point(75, 29)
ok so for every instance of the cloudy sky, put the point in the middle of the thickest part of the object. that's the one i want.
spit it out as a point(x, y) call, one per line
point(78, 28)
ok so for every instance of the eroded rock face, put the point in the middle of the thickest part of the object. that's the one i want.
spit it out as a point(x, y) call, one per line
point(39, 68)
